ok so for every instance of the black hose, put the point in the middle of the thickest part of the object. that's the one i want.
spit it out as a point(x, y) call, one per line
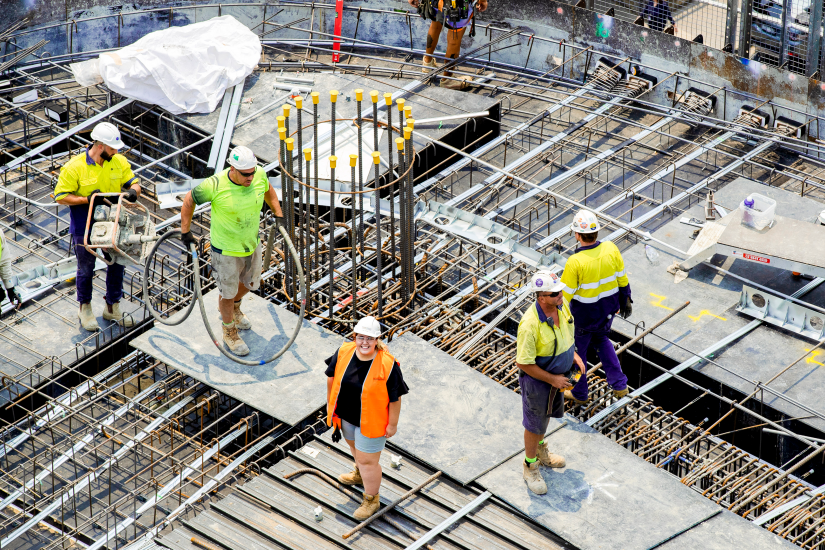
point(199, 298)
point(169, 322)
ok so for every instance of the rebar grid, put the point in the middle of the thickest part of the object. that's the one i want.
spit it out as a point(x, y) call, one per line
point(116, 454)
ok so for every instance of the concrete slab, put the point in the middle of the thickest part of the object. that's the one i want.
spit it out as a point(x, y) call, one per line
point(727, 531)
point(289, 389)
point(712, 315)
point(261, 135)
point(606, 497)
point(455, 419)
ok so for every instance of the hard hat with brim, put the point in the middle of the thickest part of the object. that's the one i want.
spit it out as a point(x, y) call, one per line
point(546, 281)
point(108, 134)
point(368, 326)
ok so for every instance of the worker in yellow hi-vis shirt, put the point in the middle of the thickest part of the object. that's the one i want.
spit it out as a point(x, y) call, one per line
point(237, 195)
point(597, 288)
point(99, 169)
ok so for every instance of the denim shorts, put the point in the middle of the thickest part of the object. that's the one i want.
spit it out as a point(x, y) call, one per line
point(362, 443)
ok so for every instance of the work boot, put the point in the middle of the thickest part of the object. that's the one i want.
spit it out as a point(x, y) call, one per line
point(532, 475)
point(351, 478)
point(428, 65)
point(568, 396)
point(87, 318)
point(241, 320)
point(618, 394)
point(549, 459)
point(370, 505)
point(461, 84)
point(233, 342)
point(112, 313)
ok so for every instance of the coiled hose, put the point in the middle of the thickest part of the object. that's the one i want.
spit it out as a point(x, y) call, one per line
point(178, 319)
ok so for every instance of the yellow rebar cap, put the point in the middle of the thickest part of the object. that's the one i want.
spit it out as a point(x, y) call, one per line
point(286, 108)
point(407, 112)
point(332, 160)
point(316, 97)
point(333, 95)
point(374, 96)
point(308, 153)
point(290, 143)
point(280, 119)
point(299, 102)
point(399, 142)
point(353, 160)
point(400, 103)
point(407, 132)
point(411, 123)
point(359, 94)
point(282, 133)
point(376, 157)
point(388, 99)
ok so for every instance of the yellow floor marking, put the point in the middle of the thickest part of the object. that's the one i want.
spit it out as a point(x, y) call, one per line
point(703, 313)
point(658, 303)
point(811, 359)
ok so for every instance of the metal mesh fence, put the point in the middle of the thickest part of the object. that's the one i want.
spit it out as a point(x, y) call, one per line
point(776, 33)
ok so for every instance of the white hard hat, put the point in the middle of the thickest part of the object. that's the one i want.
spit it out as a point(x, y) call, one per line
point(368, 326)
point(546, 281)
point(107, 134)
point(585, 222)
point(242, 158)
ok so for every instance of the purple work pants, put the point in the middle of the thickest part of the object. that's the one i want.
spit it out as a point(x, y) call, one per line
point(607, 355)
point(86, 272)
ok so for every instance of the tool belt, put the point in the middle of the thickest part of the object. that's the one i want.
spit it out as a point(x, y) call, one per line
point(428, 9)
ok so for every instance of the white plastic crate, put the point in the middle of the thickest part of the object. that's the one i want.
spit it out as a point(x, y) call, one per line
point(761, 215)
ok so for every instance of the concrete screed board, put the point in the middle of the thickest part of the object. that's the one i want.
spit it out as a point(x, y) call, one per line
point(712, 313)
point(289, 389)
point(609, 498)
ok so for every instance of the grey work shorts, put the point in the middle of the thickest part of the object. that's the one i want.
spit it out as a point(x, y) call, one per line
point(232, 270)
point(534, 397)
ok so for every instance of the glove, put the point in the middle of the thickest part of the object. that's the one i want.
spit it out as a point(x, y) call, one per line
point(188, 239)
point(336, 435)
point(626, 310)
point(280, 222)
point(14, 298)
point(131, 195)
point(96, 191)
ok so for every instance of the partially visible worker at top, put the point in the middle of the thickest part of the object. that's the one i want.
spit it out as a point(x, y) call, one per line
point(237, 195)
point(7, 288)
point(99, 169)
point(456, 16)
point(364, 389)
point(597, 287)
point(545, 353)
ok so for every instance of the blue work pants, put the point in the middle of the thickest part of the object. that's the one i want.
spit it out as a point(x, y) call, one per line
point(86, 272)
point(607, 355)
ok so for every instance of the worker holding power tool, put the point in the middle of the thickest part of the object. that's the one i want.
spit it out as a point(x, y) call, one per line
point(597, 287)
point(237, 195)
point(456, 15)
point(548, 362)
point(99, 169)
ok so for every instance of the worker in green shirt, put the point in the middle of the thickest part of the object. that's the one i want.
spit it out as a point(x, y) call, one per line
point(237, 195)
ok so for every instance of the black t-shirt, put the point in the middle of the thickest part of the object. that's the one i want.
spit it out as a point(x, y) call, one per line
point(349, 398)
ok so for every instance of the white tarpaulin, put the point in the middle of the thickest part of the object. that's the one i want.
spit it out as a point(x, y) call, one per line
point(181, 69)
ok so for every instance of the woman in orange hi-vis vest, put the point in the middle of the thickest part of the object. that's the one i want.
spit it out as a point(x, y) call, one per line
point(364, 389)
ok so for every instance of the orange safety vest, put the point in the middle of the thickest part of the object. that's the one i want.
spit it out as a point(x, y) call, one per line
point(375, 401)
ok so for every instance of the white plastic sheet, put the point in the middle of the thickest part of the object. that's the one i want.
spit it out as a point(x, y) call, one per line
point(181, 69)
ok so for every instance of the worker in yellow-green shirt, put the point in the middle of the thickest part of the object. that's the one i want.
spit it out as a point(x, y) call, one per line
point(237, 195)
point(546, 356)
point(99, 169)
point(598, 289)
